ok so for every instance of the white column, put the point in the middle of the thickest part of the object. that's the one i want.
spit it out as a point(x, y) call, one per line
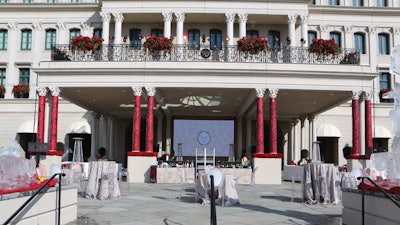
point(373, 51)
point(167, 17)
point(239, 137)
point(348, 39)
point(111, 121)
point(12, 72)
point(168, 135)
point(37, 49)
point(119, 18)
point(362, 125)
point(292, 29)
point(304, 30)
point(302, 140)
point(159, 134)
point(94, 128)
point(396, 36)
point(370, 3)
point(311, 129)
point(62, 34)
point(106, 26)
point(180, 18)
point(293, 141)
point(230, 19)
point(242, 24)
point(248, 136)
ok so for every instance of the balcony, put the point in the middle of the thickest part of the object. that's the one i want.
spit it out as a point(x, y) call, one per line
point(182, 53)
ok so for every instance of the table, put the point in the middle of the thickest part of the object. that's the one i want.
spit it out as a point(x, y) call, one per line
point(295, 172)
point(243, 175)
point(172, 176)
point(227, 193)
point(102, 180)
point(321, 183)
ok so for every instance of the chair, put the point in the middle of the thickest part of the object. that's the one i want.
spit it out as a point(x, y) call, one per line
point(253, 176)
point(296, 189)
point(185, 181)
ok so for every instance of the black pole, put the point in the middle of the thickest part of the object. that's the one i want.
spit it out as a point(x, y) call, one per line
point(59, 198)
point(213, 211)
point(362, 200)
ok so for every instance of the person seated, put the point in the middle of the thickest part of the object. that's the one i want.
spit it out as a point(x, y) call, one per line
point(102, 154)
point(245, 161)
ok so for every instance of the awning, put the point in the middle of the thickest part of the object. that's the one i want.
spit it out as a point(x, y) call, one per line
point(328, 130)
point(28, 127)
point(79, 127)
point(381, 132)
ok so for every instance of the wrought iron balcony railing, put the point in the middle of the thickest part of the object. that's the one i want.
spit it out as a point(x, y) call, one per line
point(204, 53)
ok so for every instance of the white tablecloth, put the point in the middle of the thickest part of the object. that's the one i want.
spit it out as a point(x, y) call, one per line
point(227, 193)
point(102, 182)
point(321, 179)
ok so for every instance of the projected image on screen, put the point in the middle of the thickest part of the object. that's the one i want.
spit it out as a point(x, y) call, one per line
point(192, 134)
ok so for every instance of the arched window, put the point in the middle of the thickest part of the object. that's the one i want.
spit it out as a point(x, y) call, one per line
point(274, 39)
point(333, 2)
point(215, 39)
point(194, 39)
point(135, 38)
point(358, 3)
point(50, 39)
point(26, 39)
point(98, 32)
point(336, 35)
point(381, 3)
point(3, 39)
point(312, 35)
point(383, 44)
point(359, 42)
point(157, 32)
point(74, 32)
point(252, 33)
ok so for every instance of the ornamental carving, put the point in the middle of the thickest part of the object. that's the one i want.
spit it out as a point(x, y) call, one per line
point(37, 26)
point(137, 91)
point(273, 93)
point(180, 17)
point(12, 26)
point(292, 19)
point(61, 25)
point(230, 17)
point(42, 91)
point(303, 19)
point(167, 16)
point(151, 91)
point(55, 91)
point(355, 95)
point(260, 92)
point(242, 17)
point(118, 17)
point(105, 17)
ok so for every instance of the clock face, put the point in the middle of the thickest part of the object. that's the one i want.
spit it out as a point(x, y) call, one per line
point(204, 138)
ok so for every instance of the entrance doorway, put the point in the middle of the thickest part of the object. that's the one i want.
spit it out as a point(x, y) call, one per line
point(329, 149)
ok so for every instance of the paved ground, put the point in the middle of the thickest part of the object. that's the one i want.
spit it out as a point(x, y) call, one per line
point(145, 204)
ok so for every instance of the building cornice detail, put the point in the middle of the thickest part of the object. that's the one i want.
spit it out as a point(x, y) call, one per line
point(243, 17)
point(118, 17)
point(180, 17)
point(260, 92)
point(137, 91)
point(230, 17)
point(105, 17)
point(167, 16)
point(55, 91)
point(273, 93)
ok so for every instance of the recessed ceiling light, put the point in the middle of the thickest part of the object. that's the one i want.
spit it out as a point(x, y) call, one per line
point(216, 111)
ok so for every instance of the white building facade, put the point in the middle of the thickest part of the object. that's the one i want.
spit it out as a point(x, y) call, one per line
point(130, 101)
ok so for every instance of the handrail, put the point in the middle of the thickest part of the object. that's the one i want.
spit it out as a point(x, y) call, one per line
point(38, 192)
point(380, 189)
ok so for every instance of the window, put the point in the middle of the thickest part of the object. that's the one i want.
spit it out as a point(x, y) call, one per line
point(50, 39)
point(28, 1)
point(252, 33)
point(358, 3)
point(336, 36)
point(384, 81)
point(383, 44)
point(98, 32)
point(381, 3)
point(3, 39)
point(51, 1)
point(3, 1)
point(76, 1)
point(312, 2)
point(194, 39)
point(26, 39)
point(359, 42)
point(311, 36)
point(73, 33)
point(157, 32)
point(333, 2)
point(24, 75)
point(2, 76)
point(134, 36)
point(274, 38)
point(215, 39)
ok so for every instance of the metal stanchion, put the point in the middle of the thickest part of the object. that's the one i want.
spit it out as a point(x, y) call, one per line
point(213, 211)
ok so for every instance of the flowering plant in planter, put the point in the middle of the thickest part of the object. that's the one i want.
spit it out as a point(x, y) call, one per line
point(21, 90)
point(157, 44)
point(85, 43)
point(2, 91)
point(324, 48)
point(252, 45)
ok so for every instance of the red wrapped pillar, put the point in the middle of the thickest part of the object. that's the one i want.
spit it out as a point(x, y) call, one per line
point(55, 92)
point(356, 123)
point(273, 140)
point(42, 91)
point(260, 121)
point(136, 119)
point(150, 119)
point(368, 122)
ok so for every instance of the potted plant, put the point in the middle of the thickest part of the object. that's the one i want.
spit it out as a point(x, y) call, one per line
point(156, 45)
point(252, 45)
point(2, 91)
point(87, 44)
point(324, 48)
point(21, 90)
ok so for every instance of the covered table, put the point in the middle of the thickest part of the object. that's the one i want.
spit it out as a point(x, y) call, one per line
point(321, 183)
point(102, 180)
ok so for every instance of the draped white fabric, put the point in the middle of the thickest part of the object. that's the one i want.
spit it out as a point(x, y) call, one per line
point(102, 182)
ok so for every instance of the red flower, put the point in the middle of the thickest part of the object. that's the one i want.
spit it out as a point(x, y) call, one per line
point(252, 45)
point(157, 44)
point(324, 48)
point(85, 43)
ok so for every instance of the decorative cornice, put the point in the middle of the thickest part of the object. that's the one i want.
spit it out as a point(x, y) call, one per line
point(230, 17)
point(37, 26)
point(348, 29)
point(55, 91)
point(105, 17)
point(396, 30)
point(137, 91)
point(151, 91)
point(180, 17)
point(118, 17)
point(12, 26)
point(323, 28)
point(61, 25)
point(167, 16)
point(273, 93)
point(243, 17)
point(42, 91)
point(372, 30)
point(260, 92)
